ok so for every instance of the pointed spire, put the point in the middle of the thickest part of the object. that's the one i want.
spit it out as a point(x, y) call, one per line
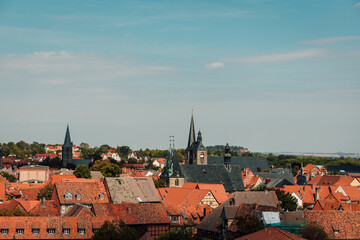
point(67, 142)
point(192, 132)
point(227, 148)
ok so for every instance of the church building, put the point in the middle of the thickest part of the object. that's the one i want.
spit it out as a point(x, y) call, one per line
point(67, 149)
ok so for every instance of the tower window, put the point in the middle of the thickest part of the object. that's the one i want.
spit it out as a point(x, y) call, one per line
point(177, 182)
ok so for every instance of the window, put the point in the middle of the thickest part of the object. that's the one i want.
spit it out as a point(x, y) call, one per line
point(35, 231)
point(20, 231)
point(66, 231)
point(102, 196)
point(210, 202)
point(176, 182)
point(95, 230)
point(78, 196)
point(81, 231)
point(4, 231)
point(68, 195)
point(51, 230)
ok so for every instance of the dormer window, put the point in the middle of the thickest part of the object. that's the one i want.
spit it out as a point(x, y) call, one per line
point(68, 195)
point(78, 196)
point(102, 196)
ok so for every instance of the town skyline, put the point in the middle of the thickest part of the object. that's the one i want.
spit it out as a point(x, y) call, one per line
point(269, 75)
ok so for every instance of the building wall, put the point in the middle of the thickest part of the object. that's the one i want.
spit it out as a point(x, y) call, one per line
point(210, 200)
point(172, 182)
point(34, 174)
point(198, 160)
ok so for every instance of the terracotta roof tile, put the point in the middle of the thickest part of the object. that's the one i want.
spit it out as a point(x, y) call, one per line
point(271, 233)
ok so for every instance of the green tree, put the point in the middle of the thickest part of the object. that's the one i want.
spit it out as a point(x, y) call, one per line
point(116, 230)
point(99, 164)
point(46, 192)
point(295, 170)
point(82, 171)
point(314, 232)
point(159, 183)
point(287, 201)
point(247, 224)
point(9, 177)
point(111, 170)
point(123, 151)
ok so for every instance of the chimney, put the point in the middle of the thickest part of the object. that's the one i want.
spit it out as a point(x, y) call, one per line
point(317, 192)
point(43, 202)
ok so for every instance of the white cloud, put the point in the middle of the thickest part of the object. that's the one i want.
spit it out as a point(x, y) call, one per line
point(64, 67)
point(279, 57)
point(357, 5)
point(214, 65)
point(330, 40)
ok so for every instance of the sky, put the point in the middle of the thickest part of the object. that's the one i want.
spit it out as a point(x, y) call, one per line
point(269, 75)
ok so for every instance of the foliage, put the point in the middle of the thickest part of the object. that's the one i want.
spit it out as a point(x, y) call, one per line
point(247, 224)
point(314, 232)
point(99, 164)
point(53, 163)
point(46, 192)
point(176, 235)
point(287, 201)
point(9, 177)
point(111, 170)
point(159, 183)
point(123, 151)
point(116, 230)
point(82, 171)
point(295, 170)
point(22, 149)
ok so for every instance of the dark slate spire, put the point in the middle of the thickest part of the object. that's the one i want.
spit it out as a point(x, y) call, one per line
point(191, 133)
point(67, 141)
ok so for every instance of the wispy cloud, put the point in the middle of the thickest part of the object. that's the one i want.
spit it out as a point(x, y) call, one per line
point(214, 65)
point(357, 5)
point(280, 57)
point(331, 40)
point(73, 68)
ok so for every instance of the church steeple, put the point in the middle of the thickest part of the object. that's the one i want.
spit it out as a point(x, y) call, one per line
point(67, 148)
point(191, 132)
point(67, 141)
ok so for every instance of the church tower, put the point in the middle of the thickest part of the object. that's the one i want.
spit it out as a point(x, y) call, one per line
point(171, 172)
point(67, 151)
point(227, 157)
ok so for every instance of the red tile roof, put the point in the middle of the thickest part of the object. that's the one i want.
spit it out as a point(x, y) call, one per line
point(59, 178)
point(271, 233)
point(346, 223)
point(185, 196)
point(134, 213)
point(217, 190)
point(48, 208)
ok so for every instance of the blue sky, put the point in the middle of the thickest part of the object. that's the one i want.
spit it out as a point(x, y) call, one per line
point(270, 75)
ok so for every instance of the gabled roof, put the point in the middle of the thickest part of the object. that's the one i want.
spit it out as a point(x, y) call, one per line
point(271, 233)
point(48, 208)
point(132, 189)
point(259, 197)
point(217, 190)
point(90, 192)
point(59, 178)
point(163, 192)
point(315, 180)
point(134, 213)
point(30, 193)
point(345, 181)
point(353, 192)
point(185, 196)
point(78, 211)
point(328, 180)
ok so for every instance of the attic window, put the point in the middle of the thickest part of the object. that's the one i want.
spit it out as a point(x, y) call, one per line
point(78, 196)
point(102, 196)
point(68, 195)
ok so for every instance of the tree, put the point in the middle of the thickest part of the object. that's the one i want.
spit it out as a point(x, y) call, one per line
point(287, 201)
point(99, 164)
point(116, 230)
point(9, 177)
point(111, 170)
point(123, 151)
point(82, 171)
point(159, 183)
point(247, 224)
point(46, 192)
point(295, 170)
point(314, 232)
